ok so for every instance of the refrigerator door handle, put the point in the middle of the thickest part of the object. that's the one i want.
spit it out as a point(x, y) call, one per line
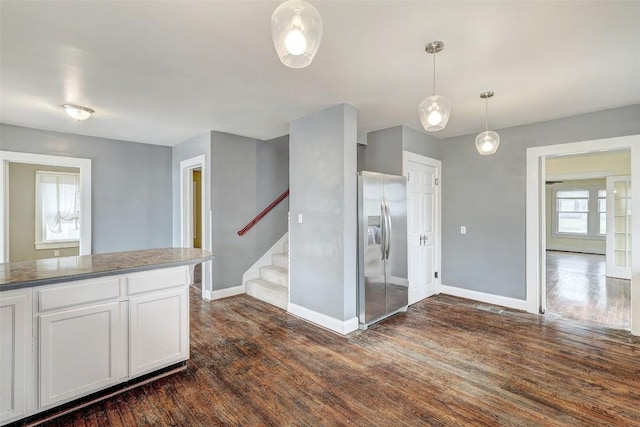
point(388, 227)
point(383, 225)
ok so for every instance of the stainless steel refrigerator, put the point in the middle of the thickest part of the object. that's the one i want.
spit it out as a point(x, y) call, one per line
point(383, 286)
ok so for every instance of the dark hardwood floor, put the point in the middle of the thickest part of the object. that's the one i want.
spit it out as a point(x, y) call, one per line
point(447, 361)
point(578, 289)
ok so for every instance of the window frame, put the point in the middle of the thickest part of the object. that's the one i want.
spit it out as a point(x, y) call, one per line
point(40, 243)
point(593, 214)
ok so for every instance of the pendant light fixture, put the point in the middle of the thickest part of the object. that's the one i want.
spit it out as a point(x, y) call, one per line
point(77, 112)
point(434, 110)
point(487, 142)
point(296, 29)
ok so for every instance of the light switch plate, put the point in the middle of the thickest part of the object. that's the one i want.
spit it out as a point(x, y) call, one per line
point(299, 218)
point(463, 229)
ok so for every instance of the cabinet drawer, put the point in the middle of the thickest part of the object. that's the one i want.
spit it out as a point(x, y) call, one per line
point(78, 293)
point(149, 281)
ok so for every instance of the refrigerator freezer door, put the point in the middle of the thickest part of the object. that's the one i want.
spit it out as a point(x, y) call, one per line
point(371, 245)
point(396, 269)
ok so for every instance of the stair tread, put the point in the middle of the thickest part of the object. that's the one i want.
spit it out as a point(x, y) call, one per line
point(282, 270)
point(268, 284)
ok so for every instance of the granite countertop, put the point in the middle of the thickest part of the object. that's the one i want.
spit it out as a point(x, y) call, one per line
point(15, 275)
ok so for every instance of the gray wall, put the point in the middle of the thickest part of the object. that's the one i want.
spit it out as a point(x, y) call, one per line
point(383, 152)
point(273, 180)
point(244, 176)
point(247, 175)
point(233, 202)
point(22, 213)
point(420, 142)
point(322, 149)
point(131, 184)
point(487, 194)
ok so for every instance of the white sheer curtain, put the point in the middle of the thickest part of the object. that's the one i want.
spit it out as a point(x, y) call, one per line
point(60, 206)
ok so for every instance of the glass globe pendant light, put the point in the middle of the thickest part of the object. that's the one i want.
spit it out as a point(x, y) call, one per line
point(487, 142)
point(434, 110)
point(296, 30)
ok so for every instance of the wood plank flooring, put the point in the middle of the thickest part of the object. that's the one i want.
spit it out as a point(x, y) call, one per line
point(446, 362)
point(578, 289)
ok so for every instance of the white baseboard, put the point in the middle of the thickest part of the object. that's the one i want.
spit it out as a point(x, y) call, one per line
point(518, 304)
point(224, 293)
point(340, 326)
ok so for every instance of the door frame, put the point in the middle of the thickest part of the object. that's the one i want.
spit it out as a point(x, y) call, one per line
point(536, 215)
point(407, 156)
point(186, 215)
point(84, 165)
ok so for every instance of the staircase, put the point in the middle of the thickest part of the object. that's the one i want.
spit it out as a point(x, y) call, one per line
point(273, 284)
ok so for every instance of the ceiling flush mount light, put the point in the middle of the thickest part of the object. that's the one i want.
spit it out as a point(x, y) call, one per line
point(434, 110)
point(77, 112)
point(296, 29)
point(487, 142)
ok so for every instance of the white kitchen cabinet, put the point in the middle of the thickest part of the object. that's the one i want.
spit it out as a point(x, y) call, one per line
point(15, 353)
point(158, 330)
point(78, 352)
point(66, 340)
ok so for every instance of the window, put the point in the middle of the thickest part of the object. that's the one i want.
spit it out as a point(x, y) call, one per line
point(602, 210)
point(57, 209)
point(580, 210)
point(572, 207)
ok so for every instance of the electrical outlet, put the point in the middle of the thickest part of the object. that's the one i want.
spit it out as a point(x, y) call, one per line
point(56, 253)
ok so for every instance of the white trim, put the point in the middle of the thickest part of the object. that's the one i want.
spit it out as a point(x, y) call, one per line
point(42, 159)
point(518, 304)
point(186, 190)
point(535, 219)
point(186, 215)
point(340, 326)
point(225, 293)
point(57, 245)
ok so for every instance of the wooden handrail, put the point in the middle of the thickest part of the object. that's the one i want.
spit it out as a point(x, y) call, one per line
point(262, 214)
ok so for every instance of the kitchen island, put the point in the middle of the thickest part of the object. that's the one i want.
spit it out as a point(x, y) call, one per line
point(74, 326)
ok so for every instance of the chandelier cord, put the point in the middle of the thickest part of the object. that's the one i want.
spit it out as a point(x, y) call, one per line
point(486, 114)
point(434, 72)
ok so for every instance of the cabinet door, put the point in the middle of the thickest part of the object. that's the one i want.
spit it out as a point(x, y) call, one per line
point(78, 352)
point(15, 352)
point(158, 330)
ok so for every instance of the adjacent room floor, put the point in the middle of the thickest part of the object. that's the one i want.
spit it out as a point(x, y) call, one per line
point(447, 361)
point(578, 289)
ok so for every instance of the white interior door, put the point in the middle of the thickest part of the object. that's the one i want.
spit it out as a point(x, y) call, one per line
point(619, 227)
point(423, 236)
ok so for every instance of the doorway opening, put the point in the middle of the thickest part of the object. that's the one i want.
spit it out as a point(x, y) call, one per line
point(194, 222)
point(586, 238)
point(83, 216)
point(536, 219)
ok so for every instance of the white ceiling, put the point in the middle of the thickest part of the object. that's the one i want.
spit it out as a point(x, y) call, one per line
point(161, 72)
